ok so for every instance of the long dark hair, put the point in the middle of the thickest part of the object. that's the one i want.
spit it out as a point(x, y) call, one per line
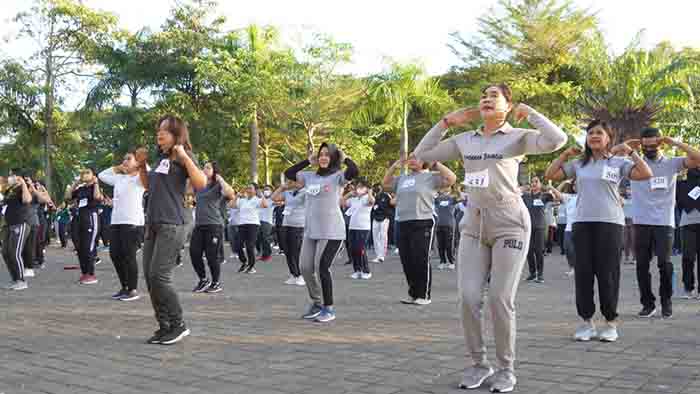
point(587, 152)
point(216, 170)
point(178, 128)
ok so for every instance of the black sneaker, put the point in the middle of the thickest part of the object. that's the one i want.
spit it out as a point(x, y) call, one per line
point(647, 311)
point(531, 278)
point(121, 293)
point(539, 279)
point(175, 335)
point(201, 286)
point(666, 311)
point(158, 335)
point(244, 266)
point(214, 288)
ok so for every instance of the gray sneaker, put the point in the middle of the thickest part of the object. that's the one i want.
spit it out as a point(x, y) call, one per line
point(609, 333)
point(585, 332)
point(475, 376)
point(503, 381)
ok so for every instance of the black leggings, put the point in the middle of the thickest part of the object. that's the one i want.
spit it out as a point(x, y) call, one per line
point(598, 248)
point(691, 256)
point(126, 240)
point(445, 239)
point(88, 229)
point(535, 255)
point(248, 234)
point(415, 237)
point(290, 242)
point(206, 240)
point(358, 241)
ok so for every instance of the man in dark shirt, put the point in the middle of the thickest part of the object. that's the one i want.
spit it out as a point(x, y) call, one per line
point(535, 201)
point(381, 214)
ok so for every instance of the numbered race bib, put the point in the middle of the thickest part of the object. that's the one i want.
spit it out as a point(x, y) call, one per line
point(4, 209)
point(658, 183)
point(410, 182)
point(287, 211)
point(611, 174)
point(537, 203)
point(82, 203)
point(313, 189)
point(444, 203)
point(695, 193)
point(478, 179)
point(163, 167)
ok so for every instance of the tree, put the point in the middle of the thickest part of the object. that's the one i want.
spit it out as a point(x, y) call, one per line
point(637, 88)
point(67, 34)
point(394, 95)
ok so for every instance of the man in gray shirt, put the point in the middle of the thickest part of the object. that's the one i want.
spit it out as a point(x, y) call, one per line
point(653, 203)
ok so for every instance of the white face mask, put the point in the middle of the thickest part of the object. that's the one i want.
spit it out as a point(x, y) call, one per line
point(267, 193)
point(11, 180)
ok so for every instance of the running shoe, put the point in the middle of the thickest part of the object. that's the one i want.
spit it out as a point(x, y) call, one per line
point(609, 333)
point(215, 287)
point(647, 311)
point(366, 275)
point(503, 381)
point(585, 332)
point(313, 312)
point(175, 335)
point(132, 295)
point(201, 286)
point(300, 281)
point(327, 315)
point(475, 376)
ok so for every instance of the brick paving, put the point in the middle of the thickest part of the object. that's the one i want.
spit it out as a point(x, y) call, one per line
point(62, 338)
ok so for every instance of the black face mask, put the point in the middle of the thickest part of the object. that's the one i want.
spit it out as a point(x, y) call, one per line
point(651, 154)
point(377, 190)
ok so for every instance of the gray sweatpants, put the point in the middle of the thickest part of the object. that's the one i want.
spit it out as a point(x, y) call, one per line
point(161, 246)
point(318, 255)
point(493, 247)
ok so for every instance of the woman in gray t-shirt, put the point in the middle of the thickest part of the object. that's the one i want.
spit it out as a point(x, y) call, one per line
point(415, 196)
point(324, 230)
point(599, 222)
point(208, 232)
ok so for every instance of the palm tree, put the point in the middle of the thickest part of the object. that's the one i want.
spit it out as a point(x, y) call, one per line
point(404, 88)
point(633, 90)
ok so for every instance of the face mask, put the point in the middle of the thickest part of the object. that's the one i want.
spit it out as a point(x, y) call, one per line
point(267, 193)
point(12, 180)
point(361, 191)
point(651, 153)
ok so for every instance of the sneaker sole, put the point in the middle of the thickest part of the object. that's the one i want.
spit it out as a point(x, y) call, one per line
point(127, 299)
point(325, 320)
point(310, 317)
point(652, 314)
point(508, 390)
point(476, 385)
point(608, 340)
point(176, 339)
point(213, 291)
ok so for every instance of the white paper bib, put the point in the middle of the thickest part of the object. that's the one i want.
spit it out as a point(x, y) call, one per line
point(478, 179)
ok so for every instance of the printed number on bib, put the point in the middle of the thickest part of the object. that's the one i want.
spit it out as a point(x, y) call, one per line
point(537, 203)
point(477, 179)
point(444, 203)
point(163, 167)
point(658, 183)
point(410, 182)
point(82, 203)
point(695, 193)
point(313, 189)
point(611, 174)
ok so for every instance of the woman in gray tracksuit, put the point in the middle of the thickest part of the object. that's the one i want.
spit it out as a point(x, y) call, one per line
point(324, 230)
point(496, 224)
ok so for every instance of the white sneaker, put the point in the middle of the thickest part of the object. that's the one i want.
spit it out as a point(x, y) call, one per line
point(396, 251)
point(570, 273)
point(442, 266)
point(367, 275)
point(585, 332)
point(451, 267)
point(300, 281)
point(355, 275)
point(19, 285)
point(423, 301)
point(29, 273)
point(609, 333)
point(475, 376)
point(291, 280)
point(408, 301)
point(686, 295)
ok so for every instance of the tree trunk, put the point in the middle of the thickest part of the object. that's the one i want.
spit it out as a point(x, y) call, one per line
point(49, 126)
point(404, 136)
point(254, 141)
point(310, 140)
point(266, 164)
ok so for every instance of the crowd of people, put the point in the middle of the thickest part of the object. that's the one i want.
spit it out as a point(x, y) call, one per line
point(610, 200)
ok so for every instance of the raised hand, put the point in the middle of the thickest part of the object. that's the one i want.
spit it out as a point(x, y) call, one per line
point(572, 152)
point(634, 143)
point(461, 117)
point(621, 150)
point(141, 155)
point(522, 111)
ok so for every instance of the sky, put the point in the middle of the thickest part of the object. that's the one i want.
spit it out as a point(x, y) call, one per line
point(397, 29)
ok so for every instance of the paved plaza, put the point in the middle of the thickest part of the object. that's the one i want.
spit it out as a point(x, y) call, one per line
point(62, 338)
